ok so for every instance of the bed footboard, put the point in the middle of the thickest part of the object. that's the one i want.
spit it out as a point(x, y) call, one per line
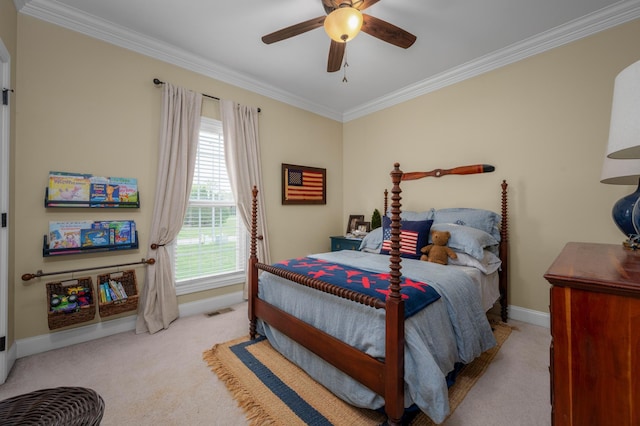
point(386, 377)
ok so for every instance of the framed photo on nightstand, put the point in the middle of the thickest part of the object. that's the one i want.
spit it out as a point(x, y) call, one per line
point(353, 222)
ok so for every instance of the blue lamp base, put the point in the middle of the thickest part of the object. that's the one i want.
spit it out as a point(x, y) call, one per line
point(626, 214)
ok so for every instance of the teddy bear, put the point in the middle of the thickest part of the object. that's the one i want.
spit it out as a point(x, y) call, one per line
point(438, 252)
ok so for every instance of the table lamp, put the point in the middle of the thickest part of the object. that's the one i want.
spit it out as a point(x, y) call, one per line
point(622, 165)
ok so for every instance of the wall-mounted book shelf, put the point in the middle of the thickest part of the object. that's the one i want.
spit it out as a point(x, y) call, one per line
point(47, 251)
point(90, 204)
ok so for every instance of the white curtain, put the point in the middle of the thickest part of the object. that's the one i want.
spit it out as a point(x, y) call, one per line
point(242, 154)
point(158, 304)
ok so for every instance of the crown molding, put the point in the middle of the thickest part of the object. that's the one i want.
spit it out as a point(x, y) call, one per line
point(593, 23)
point(72, 19)
point(55, 13)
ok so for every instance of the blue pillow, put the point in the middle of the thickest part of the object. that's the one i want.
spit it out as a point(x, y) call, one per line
point(372, 242)
point(414, 216)
point(484, 220)
point(413, 236)
point(466, 239)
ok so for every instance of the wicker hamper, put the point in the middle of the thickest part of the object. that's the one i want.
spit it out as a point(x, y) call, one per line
point(83, 314)
point(129, 283)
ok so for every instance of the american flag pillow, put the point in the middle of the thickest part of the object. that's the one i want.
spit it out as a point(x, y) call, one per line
point(413, 236)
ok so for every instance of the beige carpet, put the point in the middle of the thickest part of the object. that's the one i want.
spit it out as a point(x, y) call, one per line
point(161, 380)
point(263, 406)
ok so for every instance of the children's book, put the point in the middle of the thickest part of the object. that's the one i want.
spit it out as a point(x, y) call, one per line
point(98, 190)
point(94, 237)
point(127, 189)
point(64, 235)
point(69, 187)
point(120, 231)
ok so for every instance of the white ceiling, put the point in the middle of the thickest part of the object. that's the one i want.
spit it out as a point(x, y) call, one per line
point(222, 39)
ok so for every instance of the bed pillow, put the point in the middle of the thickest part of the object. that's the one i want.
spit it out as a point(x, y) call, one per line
point(413, 216)
point(487, 265)
point(466, 239)
point(484, 220)
point(372, 242)
point(413, 236)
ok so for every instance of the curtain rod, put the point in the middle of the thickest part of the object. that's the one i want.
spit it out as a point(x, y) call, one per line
point(159, 82)
point(27, 277)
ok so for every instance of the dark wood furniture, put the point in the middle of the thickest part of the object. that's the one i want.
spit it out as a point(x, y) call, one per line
point(343, 243)
point(595, 329)
point(385, 377)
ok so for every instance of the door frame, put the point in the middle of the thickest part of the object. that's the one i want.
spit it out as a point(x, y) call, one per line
point(5, 114)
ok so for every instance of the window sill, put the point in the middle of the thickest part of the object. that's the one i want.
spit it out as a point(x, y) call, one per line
point(209, 283)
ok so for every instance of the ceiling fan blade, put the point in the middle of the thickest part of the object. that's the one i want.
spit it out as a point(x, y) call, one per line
point(331, 5)
point(294, 30)
point(387, 32)
point(328, 6)
point(336, 53)
point(365, 4)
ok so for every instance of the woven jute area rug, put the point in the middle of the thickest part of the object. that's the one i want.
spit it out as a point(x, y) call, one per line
point(274, 391)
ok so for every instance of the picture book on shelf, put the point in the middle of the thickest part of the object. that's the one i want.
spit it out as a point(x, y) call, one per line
point(87, 233)
point(71, 189)
point(127, 189)
point(121, 231)
point(64, 235)
point(98, 191)
point(65, 186)
point(94, 237)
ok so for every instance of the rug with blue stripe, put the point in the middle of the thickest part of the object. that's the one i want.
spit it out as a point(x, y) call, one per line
point(274, 391)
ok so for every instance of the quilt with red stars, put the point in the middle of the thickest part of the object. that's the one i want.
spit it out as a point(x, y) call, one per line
point(416, 295)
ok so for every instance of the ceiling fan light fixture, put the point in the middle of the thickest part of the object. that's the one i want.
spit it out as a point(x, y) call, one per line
point(343, 24)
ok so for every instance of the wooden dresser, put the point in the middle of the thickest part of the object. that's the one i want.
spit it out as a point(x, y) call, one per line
point(595, 329)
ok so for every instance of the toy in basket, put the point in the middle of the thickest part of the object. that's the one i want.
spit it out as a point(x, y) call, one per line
point(117, 293)
point(70, 302)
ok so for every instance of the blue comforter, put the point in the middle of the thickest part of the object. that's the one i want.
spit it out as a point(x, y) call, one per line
point(449, 330)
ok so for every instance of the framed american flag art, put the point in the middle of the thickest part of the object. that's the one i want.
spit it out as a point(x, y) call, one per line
point(303, 185)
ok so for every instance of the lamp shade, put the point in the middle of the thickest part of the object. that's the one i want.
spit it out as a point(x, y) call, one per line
point(620, 172)
point(624, 130)
point(343, 24)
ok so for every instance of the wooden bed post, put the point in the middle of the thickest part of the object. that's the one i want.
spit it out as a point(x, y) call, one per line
point(253, 259)
point(504, 256)
point(394, 343)
point(386, 193)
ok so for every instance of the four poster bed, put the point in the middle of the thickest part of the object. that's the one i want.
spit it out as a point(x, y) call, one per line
point(392, 330)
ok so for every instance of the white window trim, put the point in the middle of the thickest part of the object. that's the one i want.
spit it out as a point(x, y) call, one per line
point(211, 282)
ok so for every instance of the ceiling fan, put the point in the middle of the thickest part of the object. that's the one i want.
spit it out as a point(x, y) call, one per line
point(341, 24)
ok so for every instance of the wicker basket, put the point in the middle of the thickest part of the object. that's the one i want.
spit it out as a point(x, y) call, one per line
point(65, 405)
point(83, 314)
point(129, 283)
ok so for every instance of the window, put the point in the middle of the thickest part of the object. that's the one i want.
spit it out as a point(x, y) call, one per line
point(211, 249)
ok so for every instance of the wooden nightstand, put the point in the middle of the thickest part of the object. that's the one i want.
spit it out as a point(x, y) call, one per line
point(344, 243)
point(595, 330)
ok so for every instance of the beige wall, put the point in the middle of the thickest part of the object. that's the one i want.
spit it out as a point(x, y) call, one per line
point(87, 106)
point(542, 122)
point(8, 35)
point(84, 105)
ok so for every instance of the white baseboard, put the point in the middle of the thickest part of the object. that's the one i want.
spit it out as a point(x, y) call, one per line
point(529, 316)
point(60, 339)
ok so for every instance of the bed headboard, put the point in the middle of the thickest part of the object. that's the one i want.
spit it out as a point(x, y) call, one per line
point(397, 176)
